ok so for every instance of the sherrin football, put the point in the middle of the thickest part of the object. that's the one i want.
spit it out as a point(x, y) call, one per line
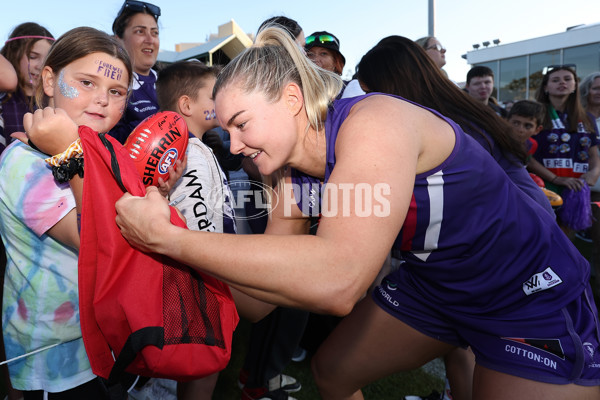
point(156, 143)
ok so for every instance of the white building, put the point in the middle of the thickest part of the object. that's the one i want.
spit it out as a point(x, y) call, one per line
point(219, 49)
point(518, 67)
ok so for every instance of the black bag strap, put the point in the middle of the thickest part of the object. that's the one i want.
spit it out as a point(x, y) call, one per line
point(114, 164)
point(148, 336)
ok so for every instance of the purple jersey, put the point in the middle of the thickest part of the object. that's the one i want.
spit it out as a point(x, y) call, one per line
point(472, 240)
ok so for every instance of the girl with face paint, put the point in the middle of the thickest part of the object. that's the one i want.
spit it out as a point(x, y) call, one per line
point(84, 81)
point(25, 49)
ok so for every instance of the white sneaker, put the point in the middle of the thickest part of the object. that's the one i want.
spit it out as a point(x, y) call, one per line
point(284, 382)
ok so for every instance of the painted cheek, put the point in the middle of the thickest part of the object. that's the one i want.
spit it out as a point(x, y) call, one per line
point(65, 89)
point(209, 115)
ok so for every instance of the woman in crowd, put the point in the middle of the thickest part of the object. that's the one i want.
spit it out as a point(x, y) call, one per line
point(434, 50)
point(136, 25)
point(323, 48)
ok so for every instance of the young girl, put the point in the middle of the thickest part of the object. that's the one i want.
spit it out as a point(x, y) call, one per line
point(26, 49)
point(567, 147)
point(567, 153)
point(39, 218)
point(484, 267)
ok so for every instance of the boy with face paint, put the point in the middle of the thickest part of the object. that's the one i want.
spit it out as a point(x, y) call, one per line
point(186, 87)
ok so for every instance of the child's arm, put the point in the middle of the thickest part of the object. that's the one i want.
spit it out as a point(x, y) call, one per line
point(594, 167)
point(41, 128)
point(8, 76)
point(534, 166)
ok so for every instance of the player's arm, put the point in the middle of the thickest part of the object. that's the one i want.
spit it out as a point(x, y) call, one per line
point(8, 76)
point(328, 272)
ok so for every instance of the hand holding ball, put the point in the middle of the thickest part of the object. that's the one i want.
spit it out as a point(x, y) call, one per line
point(156, 143)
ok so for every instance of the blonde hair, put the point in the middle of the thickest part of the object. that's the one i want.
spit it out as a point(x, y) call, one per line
point(273, 61)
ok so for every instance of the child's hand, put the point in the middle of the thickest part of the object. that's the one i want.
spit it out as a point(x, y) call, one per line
point(50, 129)
point(175, 173)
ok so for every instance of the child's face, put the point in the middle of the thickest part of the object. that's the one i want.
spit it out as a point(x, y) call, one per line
point(203, 109)
point(30, 65)
point(525, 127)
point(92, 90)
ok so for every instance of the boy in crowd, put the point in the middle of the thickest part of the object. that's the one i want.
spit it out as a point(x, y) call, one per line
point(186, 88)
point(480, 84)
point(527, 117)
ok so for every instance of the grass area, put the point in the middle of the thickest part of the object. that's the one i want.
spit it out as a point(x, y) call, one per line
point(416, 382)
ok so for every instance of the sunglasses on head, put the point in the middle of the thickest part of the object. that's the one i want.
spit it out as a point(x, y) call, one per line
point(551, 68)
point(437, 47)
point(321, 39)
point(140, 6)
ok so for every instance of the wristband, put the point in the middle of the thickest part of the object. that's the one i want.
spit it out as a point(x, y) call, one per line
point(65, 172)
point(73, 151)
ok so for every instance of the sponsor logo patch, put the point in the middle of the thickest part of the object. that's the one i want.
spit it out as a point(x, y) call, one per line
point(552, 346)
point(541, 281)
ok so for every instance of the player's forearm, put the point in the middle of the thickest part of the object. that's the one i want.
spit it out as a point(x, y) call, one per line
point(335, 284)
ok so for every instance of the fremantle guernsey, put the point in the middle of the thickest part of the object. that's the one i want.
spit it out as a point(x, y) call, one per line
point(473, 241)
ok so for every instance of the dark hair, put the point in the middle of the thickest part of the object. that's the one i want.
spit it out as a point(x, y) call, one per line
point(528, 109)
point(78, 43)
point(479, 71)
point(14, 50)
point(399, 66)
point(290, 25)
point(122, 19)
point(183, 78)
point(574, 110)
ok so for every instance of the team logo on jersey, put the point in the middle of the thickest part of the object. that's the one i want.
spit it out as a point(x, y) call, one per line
point(552, 346)
point(541, 281)
point(391, 285)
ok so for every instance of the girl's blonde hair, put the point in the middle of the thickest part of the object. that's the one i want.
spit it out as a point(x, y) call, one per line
point(273, 61)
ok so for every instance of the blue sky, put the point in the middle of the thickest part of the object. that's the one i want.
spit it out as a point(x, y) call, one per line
point(358, 24)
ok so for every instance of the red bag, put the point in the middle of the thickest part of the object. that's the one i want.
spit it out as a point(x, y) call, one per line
point(158, 317)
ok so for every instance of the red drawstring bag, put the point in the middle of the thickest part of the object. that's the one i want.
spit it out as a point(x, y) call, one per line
point(142, 314)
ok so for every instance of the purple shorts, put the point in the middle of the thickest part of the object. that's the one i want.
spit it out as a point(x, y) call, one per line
point(560, 347)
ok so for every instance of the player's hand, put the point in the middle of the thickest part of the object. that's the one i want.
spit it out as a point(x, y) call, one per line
point(143, 221)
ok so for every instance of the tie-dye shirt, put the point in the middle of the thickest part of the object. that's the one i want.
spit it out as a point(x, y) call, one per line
point(40, 305)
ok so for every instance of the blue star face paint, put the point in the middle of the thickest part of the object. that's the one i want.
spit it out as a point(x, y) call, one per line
point(67, 91)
